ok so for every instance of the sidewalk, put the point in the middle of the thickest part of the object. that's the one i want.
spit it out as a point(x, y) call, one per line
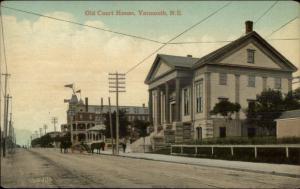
point(266, 168)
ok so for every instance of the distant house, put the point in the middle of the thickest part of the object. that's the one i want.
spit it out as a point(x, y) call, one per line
point(83, 116)
point(183, 89)
point(288, 124)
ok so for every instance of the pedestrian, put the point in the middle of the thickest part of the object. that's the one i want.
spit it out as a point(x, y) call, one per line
point(124, 145)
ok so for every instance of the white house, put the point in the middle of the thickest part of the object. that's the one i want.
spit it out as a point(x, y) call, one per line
point(183, 90)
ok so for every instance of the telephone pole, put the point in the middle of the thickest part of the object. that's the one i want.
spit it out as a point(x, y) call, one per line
point(117, 85)
point(31, 141)
point(5, 116)
point(54, 121)
point(110, 126)
point(45, 128)
point(41, 130)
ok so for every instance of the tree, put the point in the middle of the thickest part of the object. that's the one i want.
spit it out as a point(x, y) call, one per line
point(123, 127)
point(36, 142)
point(46, 141)
point(141, 126)
point(291, 100)
point(226, 108)
point(268, 106)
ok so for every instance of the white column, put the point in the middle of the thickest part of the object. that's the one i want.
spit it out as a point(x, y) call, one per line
point(154, 105)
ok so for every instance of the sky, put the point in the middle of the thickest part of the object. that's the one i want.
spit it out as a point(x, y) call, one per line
point(43, 54)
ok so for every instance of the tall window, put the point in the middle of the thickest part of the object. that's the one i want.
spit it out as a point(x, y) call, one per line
point(277, 83)
point(199, 96)
point(251, 81)
point(186, 99)
point(223, 79)
point(250, 56)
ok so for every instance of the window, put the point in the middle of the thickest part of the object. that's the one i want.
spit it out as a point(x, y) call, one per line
point(186, 98)
point(251, 103)
point(250, 56)
point(222, 78)
point(251, 81)
point(199, 96)
point(222, 99)
point(277, 83)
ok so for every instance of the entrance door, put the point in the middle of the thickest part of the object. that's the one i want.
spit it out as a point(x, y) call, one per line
point(251, 132)
point(173, 111)
point(199, 133)
point(222, 132)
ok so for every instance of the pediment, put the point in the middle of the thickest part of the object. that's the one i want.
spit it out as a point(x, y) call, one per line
point(236, 54)
point(161, 69)
point(262, 58)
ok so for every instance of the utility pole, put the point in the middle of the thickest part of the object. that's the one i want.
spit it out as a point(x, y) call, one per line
point(10, 133)
point(54, 121)
point(111, 129)
point(31, 141)
point(117, 85)
point(10, 125)
point(5, 114)
point(5, 139)
point(45, 128)
point(40, 131)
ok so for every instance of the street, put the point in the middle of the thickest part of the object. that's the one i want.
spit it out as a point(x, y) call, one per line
point(50, 168)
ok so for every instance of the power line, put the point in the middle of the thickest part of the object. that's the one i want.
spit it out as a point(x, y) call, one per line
point(2, 31)
point(282, 26)
point(186, 30)
point(266, 12)
point(85, 25)
point(191, 42)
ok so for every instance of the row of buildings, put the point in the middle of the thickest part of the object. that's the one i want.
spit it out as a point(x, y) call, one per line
point(85, 122)
point(183, 90)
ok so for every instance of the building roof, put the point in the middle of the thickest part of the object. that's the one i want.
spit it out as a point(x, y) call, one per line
point(136, 110)
point(100, 127)
point(178, 61)
point(290, 114)
point(190, 62)
point(251, 35)
point(74, 99)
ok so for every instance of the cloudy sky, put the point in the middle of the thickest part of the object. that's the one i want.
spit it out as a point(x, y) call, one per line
point(44, 54)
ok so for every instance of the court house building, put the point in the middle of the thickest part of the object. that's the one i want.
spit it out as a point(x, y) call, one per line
point(183, 90)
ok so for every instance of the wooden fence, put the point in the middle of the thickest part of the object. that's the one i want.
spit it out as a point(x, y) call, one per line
point(232, 147)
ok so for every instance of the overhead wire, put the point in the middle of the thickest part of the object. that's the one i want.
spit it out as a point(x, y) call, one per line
point(282, 26)
point(3, 42)
point(186, 30)
point(163, 43)
point(269, 9)
point(81, 24)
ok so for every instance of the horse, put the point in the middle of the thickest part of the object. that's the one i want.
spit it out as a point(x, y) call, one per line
point(97, 146)
point(64, 145)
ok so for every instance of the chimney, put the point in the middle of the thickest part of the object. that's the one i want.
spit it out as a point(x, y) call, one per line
point(189, 55)
point(249, 26)
point(86, 104)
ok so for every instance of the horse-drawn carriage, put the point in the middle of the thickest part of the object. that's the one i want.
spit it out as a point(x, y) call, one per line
point(83, 147)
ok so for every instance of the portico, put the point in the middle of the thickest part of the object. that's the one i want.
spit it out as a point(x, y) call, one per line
point(165, 100)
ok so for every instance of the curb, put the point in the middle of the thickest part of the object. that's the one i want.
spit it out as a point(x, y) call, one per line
point(202, 165)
